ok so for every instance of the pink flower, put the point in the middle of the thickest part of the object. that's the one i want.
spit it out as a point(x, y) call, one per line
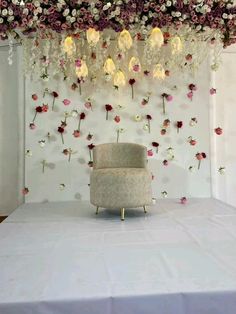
point(183, 200)
point(199, 157)
point(150, 153)
point(66, 102)
point(169, 98)
point(78, 63)
point(88, 105)
point(165, 162)
point(44, 108)
point(190, 95)
point(25, 191)
point(117, 119)
point(34, 97)
point(76, 133)
point(212, 91)
point(32, 126)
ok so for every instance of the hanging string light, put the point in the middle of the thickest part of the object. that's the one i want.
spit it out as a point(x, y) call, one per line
point(176, 45)
point(93, 36)
point(156, 38)
point(69, 46)
point(159, 72)
point(119, 79)
point(125, 40)
point(109, 66)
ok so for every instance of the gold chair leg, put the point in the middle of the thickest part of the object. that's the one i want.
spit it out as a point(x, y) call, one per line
point(145, 209)
point(97, 210)
point(122, 214)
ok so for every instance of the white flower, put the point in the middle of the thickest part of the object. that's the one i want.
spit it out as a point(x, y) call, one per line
point(164, 194)
point(168, 3)
point(146, 127)
point(28, 153)
point(191, 168)
point(37, 3)
point(74, 113)
point(62, 186)
point(221, 170)
point(121, 130)
point(137, 117)
point(42, 143)
point(1, 20)
point(225, 16)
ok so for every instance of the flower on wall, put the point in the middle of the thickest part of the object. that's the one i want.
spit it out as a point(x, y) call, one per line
point(108, 108)
point(150, 153)
point(212, 91)
point(66, 102)
point(200, 157)
point(165, 162)
point(164, 194)
point(61, 131)
point(193, 122)
point(131, 83)
point(35, 97)
point(218, 131)
point(76, 133)
point(192, 88)
point(68, 152)
point(149, 118)
point(89, 137)
point(156, 145)
point(146, 99)
point(39, 109)
point(165, 97)
point(25, 191)
point(183, 200)
point(137, 118)
point(90, 147)
point(192, 141)
point(54, 95)
point(179, 125)
point(221, 170)
point(88, 104)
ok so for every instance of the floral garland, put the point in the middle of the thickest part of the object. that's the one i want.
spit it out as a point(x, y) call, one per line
point(74, 16)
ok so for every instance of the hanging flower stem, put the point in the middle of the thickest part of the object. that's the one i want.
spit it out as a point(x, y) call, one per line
point(107, 115)
point(69, 156)
point(62, 138)
point(199, 164)
point(118, 135)
point(53, 103)
point(35, 115)
point(44, 163)
point(132, 89)
point(80, 90)
point(163, 105)
point(79, 125)
point(90, 155)
point(149, 126)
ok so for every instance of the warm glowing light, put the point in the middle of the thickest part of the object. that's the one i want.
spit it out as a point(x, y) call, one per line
point(119, 79)
point(109, 66)
point(156, 39)
point(93, 36)
point(176, 45)
point(125, 40)
point(159, 72)
point(82, 70)
point(134, 65)
point(69, 46)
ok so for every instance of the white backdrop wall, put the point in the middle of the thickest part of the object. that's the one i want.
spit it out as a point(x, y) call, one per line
point(223, 112)
point(175, 179)
point(11, 132)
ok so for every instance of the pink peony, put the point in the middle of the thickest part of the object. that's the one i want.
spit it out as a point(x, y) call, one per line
point(150, 153)
point(66, 102)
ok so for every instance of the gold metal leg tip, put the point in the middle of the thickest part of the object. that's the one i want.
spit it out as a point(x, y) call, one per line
point(145, 210)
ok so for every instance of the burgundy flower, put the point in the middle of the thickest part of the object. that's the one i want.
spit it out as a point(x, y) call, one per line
point(179, 125)
point(149, 118)
point(54, 95)
point(82, 116)
point(218, 131)
point(131, 83)
point(199, 157)
point(108, 108)
point(61, 130)
point(39, 109)
point(156, 145)
point(90, 147)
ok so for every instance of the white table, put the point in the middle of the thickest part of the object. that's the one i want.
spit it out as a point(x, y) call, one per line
point(60, 258)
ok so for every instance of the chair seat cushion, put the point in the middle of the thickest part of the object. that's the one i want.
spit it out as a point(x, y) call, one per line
point(120, 187)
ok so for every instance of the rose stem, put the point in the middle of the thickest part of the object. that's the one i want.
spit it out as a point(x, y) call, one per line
point(79, 125)
point(149, 126)
point(177, 130)
point(62, 139)
point(118, 134)
point(80, 91)
point(132, 88)
point(163, 105)
point(69, 157)
point(107, 115)
point(53, 103)
point(43, 165)
point(199, 164)
point(35, 115)
point(90, 155)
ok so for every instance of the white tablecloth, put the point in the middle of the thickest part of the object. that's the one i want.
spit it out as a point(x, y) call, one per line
point(60, 258)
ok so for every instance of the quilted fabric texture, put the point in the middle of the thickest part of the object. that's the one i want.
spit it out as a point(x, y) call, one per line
point(128, 185)
point(119, 155)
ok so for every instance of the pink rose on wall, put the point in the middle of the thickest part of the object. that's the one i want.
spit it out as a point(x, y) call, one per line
point(183, 200)
point(66, 102)
point(34, 97)
point(117, 119)
point(192, 87)
point(166, 123)
point(39, 109)
point(212, 91)
point(88, 105)
point(218, 131)
point(165, 162)
point(76, 133)
point(25, 191)
point(200, 157)
point(189, 57)
point(163, 131)
point(192, 141)
point(82, 116)
point(150, 153)
point(32, 126)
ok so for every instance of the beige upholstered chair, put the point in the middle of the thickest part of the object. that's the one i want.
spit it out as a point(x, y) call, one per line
point(120, 178)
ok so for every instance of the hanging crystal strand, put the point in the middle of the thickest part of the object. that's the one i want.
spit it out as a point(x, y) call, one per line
point(10, 52)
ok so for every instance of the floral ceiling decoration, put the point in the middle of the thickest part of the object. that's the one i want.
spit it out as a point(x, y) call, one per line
point(117, 40)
